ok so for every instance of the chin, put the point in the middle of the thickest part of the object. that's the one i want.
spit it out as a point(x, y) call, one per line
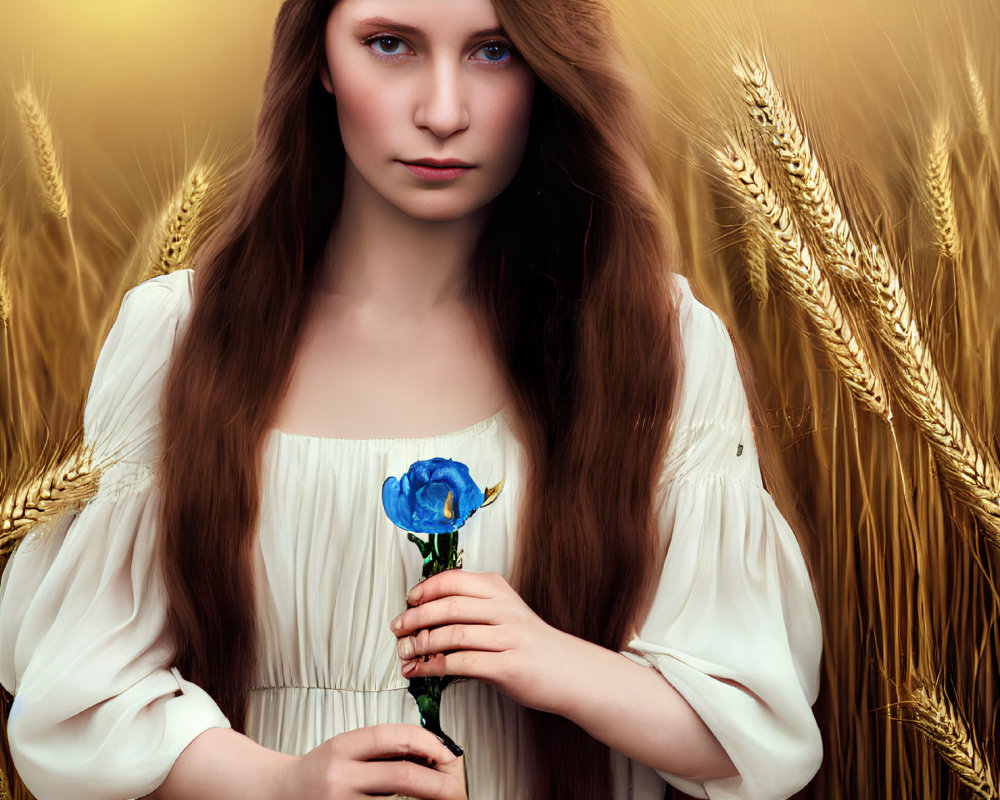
point(433, 210)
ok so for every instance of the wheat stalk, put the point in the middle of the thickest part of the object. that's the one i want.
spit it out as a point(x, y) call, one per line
point(47, 496)
point(39, 133)
point(179, 221)
point(813, 192)
point(6, 310)
point(942, 197)
point(935, 718)
point(971, 473)
point(809, 287)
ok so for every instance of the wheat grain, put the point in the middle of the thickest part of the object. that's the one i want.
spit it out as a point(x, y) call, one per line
point(938, 175)
point(969, 472)
point(809, 287)
point(47, 496)
point(39, 134)
point(179, 221)
point(934, 717)
point(813, 192)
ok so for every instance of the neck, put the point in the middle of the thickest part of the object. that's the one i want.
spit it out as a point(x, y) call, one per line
point(378, 254)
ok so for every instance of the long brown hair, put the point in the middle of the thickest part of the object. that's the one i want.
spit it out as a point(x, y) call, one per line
point(571, 274)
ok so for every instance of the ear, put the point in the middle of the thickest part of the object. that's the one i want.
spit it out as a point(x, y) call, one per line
point(325, 78)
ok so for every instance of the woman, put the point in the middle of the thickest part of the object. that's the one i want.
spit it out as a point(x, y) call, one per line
point(445, 244)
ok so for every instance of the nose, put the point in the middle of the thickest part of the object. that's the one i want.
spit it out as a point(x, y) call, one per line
point(442, 109)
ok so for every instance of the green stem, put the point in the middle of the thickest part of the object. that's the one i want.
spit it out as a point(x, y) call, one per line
point(440, 552)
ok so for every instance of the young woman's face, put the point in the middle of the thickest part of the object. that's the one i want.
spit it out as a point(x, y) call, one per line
point(434, 105)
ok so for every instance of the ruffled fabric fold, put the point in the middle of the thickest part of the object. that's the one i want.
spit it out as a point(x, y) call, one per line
point(737, 607)
point(734, 626)
point(98, 711)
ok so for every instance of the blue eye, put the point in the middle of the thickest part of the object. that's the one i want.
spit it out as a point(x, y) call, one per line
point(495, 51)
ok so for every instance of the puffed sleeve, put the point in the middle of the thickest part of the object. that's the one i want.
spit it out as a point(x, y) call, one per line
point(734, 601)
point(98, 712)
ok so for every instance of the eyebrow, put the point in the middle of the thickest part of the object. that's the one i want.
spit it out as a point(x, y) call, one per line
point(409, 30)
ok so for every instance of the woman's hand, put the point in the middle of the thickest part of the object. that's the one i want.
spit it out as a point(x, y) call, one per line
point(474, 625)
point(379, 760)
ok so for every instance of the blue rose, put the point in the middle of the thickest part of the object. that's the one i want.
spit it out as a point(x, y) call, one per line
point(434, 496)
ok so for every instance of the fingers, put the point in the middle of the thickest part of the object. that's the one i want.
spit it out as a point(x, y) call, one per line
point(395, 741)
point(414, 780)
point(451, 637)
point(457, 581)
point(444, 611)
point(484, 665)
point(456, 768)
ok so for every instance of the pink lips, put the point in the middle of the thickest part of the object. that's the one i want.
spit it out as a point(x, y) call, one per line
point(431, 169)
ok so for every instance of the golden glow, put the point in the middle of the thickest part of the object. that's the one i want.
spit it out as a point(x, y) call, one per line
point(136, 90)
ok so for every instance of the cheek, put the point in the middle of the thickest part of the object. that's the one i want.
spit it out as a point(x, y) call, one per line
point(361, 119)
point(508, 117)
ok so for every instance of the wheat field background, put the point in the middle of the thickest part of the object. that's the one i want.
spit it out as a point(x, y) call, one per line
point(833, 171)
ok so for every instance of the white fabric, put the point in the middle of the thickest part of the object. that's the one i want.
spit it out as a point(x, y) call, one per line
point(100, 714)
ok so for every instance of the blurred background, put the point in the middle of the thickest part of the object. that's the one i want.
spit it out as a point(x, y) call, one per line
point(137, 93)
point(136, 90)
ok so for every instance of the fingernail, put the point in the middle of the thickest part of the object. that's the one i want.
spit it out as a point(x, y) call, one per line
point(409, 666)
point(397, 624)
point(413, 596)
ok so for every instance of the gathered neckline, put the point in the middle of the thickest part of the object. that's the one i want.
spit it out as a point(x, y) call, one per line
point(474, 429)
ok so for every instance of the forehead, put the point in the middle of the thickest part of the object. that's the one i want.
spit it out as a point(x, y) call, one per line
point(430, 16)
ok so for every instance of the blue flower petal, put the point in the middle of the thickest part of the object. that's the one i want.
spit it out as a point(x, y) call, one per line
point(472, 497)
point(428, 508)
point(397, 507)
point(416, 502)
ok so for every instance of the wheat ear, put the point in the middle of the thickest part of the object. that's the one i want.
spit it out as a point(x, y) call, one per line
point(39, 133)
point(809, 287)
point(5, 301)
point(969, 472)
point(813, 192)
point(942, 197)
point(755, 249)
point(5, 793)
point(935, 718)
point(47, 496)
point(979, 106)
point(179, 221)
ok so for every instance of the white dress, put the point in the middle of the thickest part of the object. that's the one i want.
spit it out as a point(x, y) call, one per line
point(99, 712)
